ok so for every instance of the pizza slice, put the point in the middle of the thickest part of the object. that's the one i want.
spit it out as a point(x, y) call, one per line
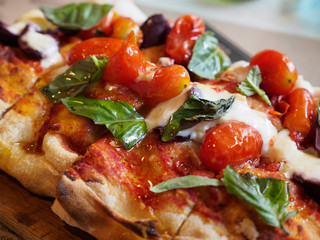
point(120, 122)
point(110, 183)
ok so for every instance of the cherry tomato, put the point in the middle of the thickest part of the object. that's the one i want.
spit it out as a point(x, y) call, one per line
point(182, 37)
point(162, 84)
point(104, 26)
point(298, 118)
point(126, 65)
point(278, 73)
point(230, 143)
point(122, 27)
point(105, 47)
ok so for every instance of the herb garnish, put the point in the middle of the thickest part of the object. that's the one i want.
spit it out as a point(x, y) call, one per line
point(250, 86)
point(189, 181)
point(268, 196)
point(75, 79)
point(207, 59)
point(192, 112)
point(76, 16)
point(122, 120)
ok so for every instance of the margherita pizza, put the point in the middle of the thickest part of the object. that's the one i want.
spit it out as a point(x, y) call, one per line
point(146, 130)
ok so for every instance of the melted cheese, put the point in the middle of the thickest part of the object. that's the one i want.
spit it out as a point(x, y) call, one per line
point(296, 161)
point(46, 45)
point(239, 111)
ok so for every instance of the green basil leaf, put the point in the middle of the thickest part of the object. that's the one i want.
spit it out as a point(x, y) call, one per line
point(207, 60)
point(189, 181)
point(122, 120)
point(192, 112)
point(75, 79)
point(268, 196)
point(76, 16)
point(251, 85)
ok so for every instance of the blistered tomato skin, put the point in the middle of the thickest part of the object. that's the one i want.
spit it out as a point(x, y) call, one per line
point(182, 38)
point(105, 47)
point(126, 64)
point(231, 143)
point(161, 84)
point(278, 73)
point(298, 118)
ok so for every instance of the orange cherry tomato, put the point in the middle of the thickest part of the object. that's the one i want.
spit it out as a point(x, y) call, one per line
point(122, 27)
point(278, 73)
point(126, 64)
point(298, 118)
point(162, 84)
point(182, 37)
point(231, 143)
point(104, 26)
point(105, 47)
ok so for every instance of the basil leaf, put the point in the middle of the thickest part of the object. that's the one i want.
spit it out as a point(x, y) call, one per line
point(76, 16)
point(193, 111)
point(122, 120)
point(268, 196)
point(189, 181)
point(75, 79)
point(251, 85)
point(207, 60)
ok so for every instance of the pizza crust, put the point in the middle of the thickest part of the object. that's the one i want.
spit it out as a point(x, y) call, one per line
point(79, 206)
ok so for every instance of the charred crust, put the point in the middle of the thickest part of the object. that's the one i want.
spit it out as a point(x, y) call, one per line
point(144, 228)
point(95, 180)
point(72, 178)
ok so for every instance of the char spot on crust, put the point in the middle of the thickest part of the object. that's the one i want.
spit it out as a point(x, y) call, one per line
point(61, 189)
point(95, 180)
point(145, 228)
point(56, 127)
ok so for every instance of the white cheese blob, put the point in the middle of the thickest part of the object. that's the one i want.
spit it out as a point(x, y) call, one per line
point(46, 45)
point(159, 116)
point(239, 111)
point(296, 161)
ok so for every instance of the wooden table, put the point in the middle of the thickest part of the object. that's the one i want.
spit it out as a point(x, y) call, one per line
point(30, 216)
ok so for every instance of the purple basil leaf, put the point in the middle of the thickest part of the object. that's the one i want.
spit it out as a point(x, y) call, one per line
point(155, 30)
point(6, 36)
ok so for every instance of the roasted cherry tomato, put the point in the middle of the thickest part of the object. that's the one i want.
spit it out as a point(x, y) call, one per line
point(127, 64)
point(182, 37)
point(103, 28)
point(162, 84)
point(105, 47)
point(298, 118)
point(278, 73)
point(122, 26)
point(231, 143)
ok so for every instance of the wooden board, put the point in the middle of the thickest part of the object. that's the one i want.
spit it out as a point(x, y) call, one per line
point(30, 216)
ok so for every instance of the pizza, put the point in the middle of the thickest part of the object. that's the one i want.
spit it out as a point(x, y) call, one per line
point(142, 128)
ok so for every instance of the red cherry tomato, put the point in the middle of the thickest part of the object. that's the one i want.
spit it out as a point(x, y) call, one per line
point(105, 47)
point(182, 37)
point(230, 143)
point(278, 73)
point(127, 64)
point(104, 26)
point(298, 118)
point(165, 83)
